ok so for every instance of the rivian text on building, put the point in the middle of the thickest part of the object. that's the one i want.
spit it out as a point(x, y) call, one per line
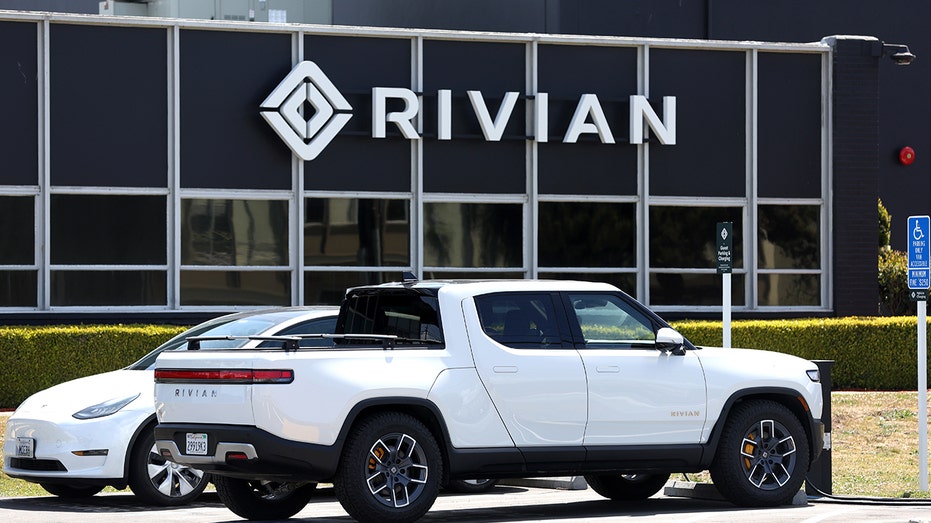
point(307, 135)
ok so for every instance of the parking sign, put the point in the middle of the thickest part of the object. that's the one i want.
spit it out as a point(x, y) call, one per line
point(919, 258)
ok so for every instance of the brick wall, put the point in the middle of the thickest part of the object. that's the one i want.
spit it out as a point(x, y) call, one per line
point(856, 167)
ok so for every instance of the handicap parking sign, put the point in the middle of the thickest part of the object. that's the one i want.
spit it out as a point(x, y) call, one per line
point(919, 257)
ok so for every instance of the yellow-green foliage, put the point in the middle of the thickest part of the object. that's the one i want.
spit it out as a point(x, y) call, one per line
point(869, 353)
point(34, 358)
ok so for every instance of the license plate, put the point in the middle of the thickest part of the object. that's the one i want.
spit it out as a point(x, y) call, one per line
point(25, 447)
point(196, 443)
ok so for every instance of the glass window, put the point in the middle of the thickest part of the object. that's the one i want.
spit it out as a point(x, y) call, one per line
point(18, 288)
point(329, 287)
point(788, 290)
point(17, 236)
point(414, 318)
point(234, 232)
point(627, 282)
point(119, 138)
point(683, 237)
point(789, 237)
point(351, 231)
point(235, 288)
point(108, 288)
point(519, 320)
point(579, 234)
point(473, 235)
point(694, 289)
point(319, 326)
point(472, 275)
point(108, 230)
point(607, 321)
point(223, 77)
point(709, 158)
point(21, 117)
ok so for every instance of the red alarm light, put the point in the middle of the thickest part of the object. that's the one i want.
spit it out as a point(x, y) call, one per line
point(907, 155)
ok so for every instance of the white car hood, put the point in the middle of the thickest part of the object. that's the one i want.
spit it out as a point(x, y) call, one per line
point(67, 398)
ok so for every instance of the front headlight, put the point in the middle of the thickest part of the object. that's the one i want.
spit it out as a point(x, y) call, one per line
point(814, 375)
point(105, 409)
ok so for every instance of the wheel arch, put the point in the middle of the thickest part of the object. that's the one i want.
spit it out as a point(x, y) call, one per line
point(789, 398)
point(148, 424)
point(421, 409)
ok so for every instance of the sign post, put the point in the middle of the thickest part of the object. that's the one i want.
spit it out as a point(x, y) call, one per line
point(919, 279)
point(723, 235)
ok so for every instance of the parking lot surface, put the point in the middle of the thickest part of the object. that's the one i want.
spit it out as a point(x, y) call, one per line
point(504, 503)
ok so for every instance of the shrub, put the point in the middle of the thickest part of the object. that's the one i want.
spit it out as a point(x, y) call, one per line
point(35, 358)
point(885, 227)
point(893, 284)
point(869, 353)
point(894, 297)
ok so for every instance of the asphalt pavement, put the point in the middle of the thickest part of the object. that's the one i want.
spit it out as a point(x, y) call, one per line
point(504, 503)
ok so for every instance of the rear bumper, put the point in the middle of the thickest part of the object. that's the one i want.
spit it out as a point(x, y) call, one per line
point(249, 452)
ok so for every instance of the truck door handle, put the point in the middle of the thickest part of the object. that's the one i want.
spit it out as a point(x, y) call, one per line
point(612, 369)
point(501, 369)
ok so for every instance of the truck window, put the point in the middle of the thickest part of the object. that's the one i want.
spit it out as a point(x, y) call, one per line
point(607, 321)
point(413, 318)
point(519, 320)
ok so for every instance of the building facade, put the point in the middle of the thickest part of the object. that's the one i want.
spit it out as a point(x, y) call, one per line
point(162, 168)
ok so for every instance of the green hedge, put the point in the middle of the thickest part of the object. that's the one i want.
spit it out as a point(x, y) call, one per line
point(35, 358)
point(869, 353)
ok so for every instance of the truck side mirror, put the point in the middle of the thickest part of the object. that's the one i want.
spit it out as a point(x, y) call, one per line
point(669, 340)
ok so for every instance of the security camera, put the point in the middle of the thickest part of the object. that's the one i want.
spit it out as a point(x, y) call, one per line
point(903, 57)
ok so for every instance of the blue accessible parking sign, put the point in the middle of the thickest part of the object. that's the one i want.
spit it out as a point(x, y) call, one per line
point(919, 257)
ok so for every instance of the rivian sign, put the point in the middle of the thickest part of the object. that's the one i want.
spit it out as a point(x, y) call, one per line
point(307, 85)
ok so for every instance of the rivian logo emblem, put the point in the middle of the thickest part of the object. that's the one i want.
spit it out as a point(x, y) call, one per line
point(306, 87)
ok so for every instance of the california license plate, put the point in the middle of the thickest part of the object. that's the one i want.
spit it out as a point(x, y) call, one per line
point(196, 443)
point(25, 447)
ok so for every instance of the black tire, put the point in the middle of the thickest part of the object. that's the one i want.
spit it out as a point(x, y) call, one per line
point(471, 486)
point(253, 499)
point(627, 487)
point(762, 458)
point(158, 481)
point(72, 491)
point(390, 470)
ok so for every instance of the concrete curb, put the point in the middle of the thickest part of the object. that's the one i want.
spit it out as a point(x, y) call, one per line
point(688, 489)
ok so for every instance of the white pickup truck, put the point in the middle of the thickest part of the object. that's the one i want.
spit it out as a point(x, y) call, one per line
point(427, 382)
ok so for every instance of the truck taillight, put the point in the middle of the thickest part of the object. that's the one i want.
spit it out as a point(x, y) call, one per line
point(224, 376)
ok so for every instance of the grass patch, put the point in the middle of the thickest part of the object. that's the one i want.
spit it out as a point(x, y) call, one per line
point(875, 440)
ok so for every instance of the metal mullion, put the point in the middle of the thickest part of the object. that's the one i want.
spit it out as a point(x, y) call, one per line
point(43, 212)
point(173, 254)
point(642, 246)
point(296, 210)
point(751, 288)
point(417, 197)
point(531, 240)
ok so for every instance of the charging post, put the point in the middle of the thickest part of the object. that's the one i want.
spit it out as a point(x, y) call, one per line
point(723, 234)
point(919, 280)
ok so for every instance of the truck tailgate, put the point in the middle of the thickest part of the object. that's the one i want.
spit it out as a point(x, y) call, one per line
point(203, 399)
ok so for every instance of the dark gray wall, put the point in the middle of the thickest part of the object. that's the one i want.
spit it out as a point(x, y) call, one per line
point(523, 16)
